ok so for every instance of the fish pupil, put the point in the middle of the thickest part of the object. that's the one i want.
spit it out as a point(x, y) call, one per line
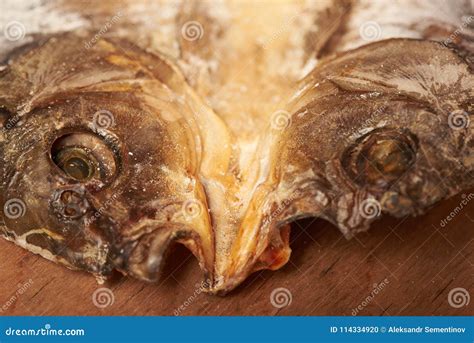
point(380, 158)
point(77, 168)
point(76, 163)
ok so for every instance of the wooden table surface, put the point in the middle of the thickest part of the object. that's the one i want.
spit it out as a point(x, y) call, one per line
point(414, 264)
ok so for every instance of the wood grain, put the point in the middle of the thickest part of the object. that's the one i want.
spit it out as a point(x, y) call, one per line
point(420, 261)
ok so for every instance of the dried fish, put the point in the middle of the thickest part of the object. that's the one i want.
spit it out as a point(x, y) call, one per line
point(214, 125)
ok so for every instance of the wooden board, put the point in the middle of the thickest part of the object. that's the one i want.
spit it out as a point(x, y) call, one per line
point(413, 262)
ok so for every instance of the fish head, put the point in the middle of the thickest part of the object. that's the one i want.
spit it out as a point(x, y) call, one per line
point(100, 148)
point(383, 128)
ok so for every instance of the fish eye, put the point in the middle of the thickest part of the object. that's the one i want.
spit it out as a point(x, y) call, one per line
point(388, 157)
point(380, 158)
point(76, 162)
point(84, 157)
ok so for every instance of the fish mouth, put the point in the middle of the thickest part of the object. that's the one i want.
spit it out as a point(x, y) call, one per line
point(146, 256)
point(146, 245)
point(150, 244)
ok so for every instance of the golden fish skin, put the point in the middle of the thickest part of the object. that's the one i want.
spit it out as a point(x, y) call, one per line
point(140, 125)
